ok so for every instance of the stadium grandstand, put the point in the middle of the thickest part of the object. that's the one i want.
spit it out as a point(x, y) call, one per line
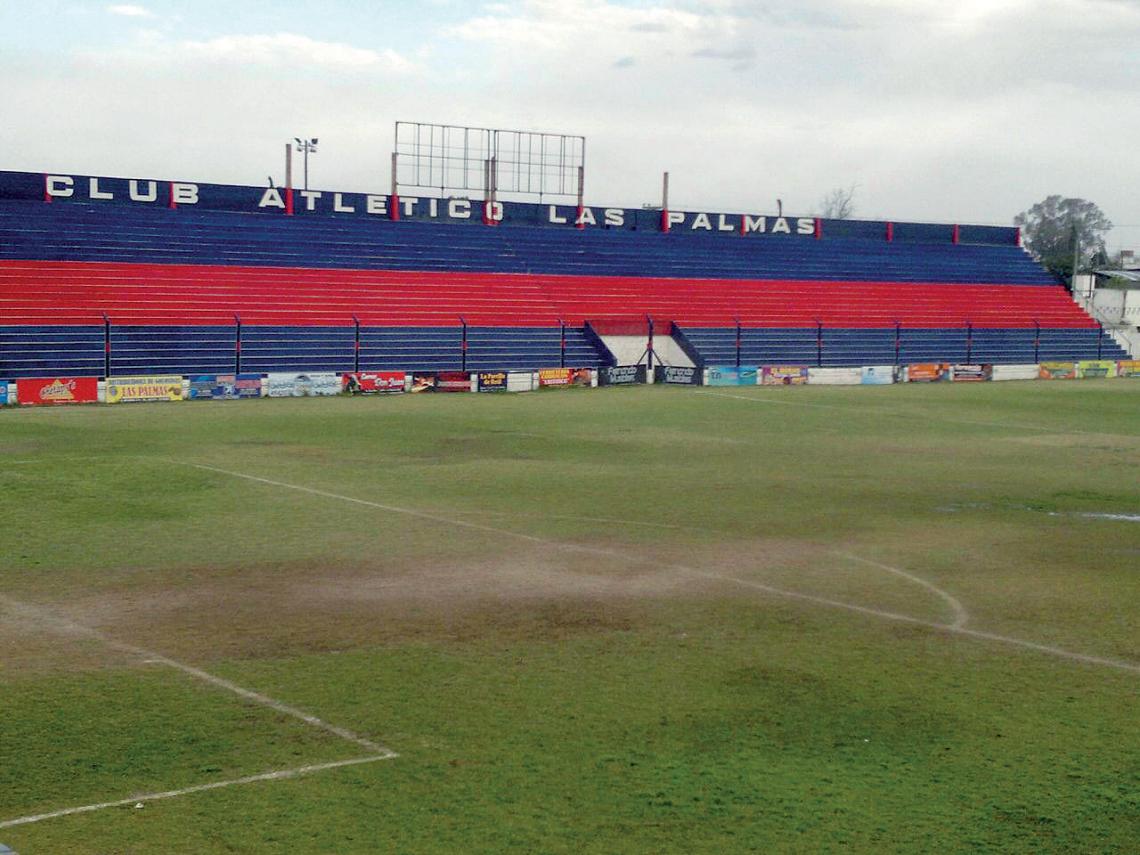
point(110, 276)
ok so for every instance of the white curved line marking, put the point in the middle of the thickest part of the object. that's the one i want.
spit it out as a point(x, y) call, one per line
point(961, 616)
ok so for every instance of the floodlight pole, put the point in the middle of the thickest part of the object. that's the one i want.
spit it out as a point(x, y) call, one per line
point(289, 179)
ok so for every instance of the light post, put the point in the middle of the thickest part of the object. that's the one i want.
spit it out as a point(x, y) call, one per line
point(306, 146)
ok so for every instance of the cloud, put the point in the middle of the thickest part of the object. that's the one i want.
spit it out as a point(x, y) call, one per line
point(625, 62)
point(290, 49)
point(128, 11)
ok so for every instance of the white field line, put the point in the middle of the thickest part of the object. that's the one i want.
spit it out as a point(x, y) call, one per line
point(279, 775)
point(1058, 652)
point(45, 616)
point(857, 410)
point(961, 616)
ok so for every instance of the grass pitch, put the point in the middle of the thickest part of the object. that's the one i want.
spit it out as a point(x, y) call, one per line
point(616, 620)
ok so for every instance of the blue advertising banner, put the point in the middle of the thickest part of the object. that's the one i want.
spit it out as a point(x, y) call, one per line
point(730, 375)
point(224, 387)
point(3, 392)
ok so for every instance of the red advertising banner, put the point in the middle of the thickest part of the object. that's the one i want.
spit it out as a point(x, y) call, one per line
point(58, 390)
point(452, 381)
point(564, 377)
point(372, 382)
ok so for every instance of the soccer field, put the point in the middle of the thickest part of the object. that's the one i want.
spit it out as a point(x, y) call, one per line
point(634, 620)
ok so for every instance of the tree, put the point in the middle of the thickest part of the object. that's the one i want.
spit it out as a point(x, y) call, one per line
point(1056, 230)
point(839, 204)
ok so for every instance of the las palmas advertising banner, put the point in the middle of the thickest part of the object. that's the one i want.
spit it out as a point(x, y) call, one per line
point(58, 390)
point(730, 375)
point(123, 390)
point(784, 375)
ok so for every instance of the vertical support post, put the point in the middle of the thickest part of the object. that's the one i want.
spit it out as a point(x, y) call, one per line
point(562, 343)
point(171, 203)
point(47, 195)
point(969, 340)
point(1099, 338)
point(818, 228)
point(956, 235)
point(356, 345)
point(394, 197)
point(738, 342)
point(890, 232)
point(649, 346)
point(106, 346)
point(818, 343)
point(288, 180)
point(665, 202)
point(1036, 341)
point(463, 346)
point(581, 195)
point(898, 340)
point(237, 344)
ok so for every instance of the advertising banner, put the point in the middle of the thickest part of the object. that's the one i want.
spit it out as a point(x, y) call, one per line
point(452, 381)
point(730, 375)
point(372, 382)
point(927, 372)
point(58, 390)
point(835, 376)
point(491, 381)
point(677, 375)
point(522, 381)
point(224, 387)
point(621, 375)
point(123, 390)
point(1057, 371)
point(878, 375)
point(554, 377)
point(784, 375)
point(283, 385)
point(1128, 368)
point(1090, 369)
point(1015, 372)
point(423, 381)
point(3, 392)
point(971, 373)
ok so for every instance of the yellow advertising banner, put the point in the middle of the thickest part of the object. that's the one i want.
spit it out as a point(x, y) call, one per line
point(123, 390)
point(1128, 368)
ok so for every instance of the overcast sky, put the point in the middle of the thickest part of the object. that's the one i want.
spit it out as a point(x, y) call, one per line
point(946, 110)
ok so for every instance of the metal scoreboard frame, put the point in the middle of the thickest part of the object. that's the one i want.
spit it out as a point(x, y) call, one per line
point(470, 161)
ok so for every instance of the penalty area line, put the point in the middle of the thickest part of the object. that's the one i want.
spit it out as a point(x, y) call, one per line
point(279, 775)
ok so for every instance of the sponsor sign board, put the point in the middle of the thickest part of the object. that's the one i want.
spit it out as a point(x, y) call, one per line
point(1057, 371)
point(123, 390)
point(554, 377)
point(677, 375)
point(730, 375)
point(58, 390)
point(224, 387)
point(1015, 372)
point(1096, 368)
point(452, 381)
point(372, 382)
point(784, 375)
point(621, 375)
point(878, 375)
point(521, 381)
point(1128, 368)
point(835, 376)
point(3, 392)
point(927, 372)
point(423, 381)
point(491, 381)
point(971, 373)
point(283, 385)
